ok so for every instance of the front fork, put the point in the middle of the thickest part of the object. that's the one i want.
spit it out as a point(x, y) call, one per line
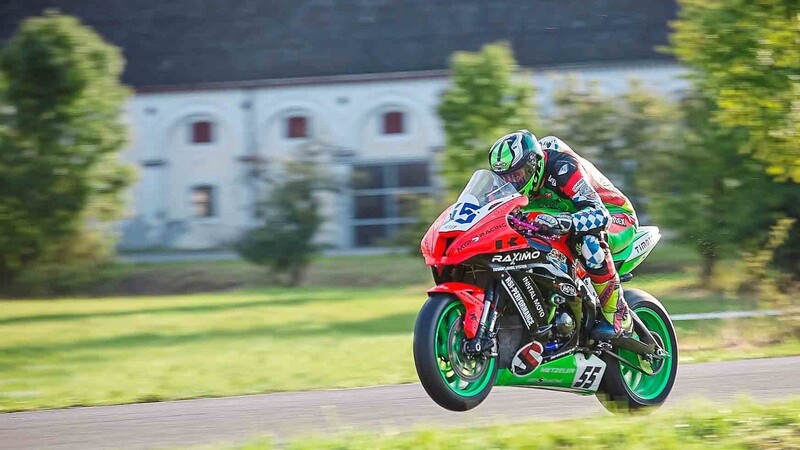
point(480, 316)
point(485, 340)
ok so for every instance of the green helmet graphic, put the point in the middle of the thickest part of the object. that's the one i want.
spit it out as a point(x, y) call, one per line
point(519, 160)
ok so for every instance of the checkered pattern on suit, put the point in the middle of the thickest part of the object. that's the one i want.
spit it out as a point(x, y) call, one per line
point(593, 253)
point(590, 219)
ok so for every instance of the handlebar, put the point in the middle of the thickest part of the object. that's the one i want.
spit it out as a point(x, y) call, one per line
point(522, 224)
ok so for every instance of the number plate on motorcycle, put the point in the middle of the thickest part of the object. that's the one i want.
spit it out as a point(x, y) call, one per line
point(589, 372)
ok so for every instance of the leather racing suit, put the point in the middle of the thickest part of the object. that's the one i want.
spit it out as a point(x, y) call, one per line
point(600, 213)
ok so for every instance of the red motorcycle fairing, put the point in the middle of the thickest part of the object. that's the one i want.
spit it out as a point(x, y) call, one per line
point(471, 296)
point(491, 235)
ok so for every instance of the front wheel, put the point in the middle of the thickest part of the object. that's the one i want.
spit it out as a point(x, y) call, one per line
point(626, 389)
point(452, 379)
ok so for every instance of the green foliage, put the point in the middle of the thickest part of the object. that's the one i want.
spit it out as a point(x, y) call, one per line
point(745, 55)
point(713, 195)
point(487, 99)
point(60, 131)
point(291, 213)
point(615, 133)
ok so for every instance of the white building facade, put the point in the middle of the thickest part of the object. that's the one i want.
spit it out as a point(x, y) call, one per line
point(378, 136)
point(227, 89)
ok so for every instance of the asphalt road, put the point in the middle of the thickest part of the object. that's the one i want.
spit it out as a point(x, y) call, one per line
point(234, 419)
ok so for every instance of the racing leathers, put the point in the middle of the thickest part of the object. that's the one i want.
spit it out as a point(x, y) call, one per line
point(599, 212)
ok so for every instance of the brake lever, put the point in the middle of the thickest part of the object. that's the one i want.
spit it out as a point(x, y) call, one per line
point(523, 224)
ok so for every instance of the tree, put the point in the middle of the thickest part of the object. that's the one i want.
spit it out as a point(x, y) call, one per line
point(485, 101)
point(745, 57)
point(59, 139)
point(617, 133)
point(291, 214)
point(713, 195)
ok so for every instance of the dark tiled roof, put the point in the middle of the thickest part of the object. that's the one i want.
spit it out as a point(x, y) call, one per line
point(179, 42)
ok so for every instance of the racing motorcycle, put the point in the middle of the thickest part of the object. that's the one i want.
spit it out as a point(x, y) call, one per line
point(516, 310)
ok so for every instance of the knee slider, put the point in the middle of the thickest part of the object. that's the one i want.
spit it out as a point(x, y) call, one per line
point(592, 252)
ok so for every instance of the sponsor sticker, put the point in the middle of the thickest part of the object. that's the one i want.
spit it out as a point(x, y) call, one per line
point(559, 259)
point(534, 297)
point(565, 370)
point(638, 248)
point(527, 359)
point(567, 289)
point(516, 257)
point(519, 301)
point(618, 220)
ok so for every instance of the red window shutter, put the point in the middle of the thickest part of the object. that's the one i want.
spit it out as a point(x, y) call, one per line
point(297, 127)
point(201, 132)
point(393, 123)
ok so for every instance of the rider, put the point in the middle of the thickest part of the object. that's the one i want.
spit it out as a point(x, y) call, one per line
point(551, 174)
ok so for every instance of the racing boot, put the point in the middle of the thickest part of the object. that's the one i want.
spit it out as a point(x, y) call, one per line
point(616, 318)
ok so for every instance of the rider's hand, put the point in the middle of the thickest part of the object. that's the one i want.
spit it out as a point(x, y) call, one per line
point(554, 225)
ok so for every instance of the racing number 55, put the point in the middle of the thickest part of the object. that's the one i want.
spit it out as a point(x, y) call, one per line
point(588, 377)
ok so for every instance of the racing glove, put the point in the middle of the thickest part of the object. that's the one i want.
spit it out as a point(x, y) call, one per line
point(543, 224)
point(553, 225)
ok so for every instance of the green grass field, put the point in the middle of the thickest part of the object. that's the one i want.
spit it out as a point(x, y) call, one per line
point(745, 425)
point(56, 353)
point(189, 277)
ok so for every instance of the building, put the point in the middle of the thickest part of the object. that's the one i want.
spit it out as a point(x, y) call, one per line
point(228, 89)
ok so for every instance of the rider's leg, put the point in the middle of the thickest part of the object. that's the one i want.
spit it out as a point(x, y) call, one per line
point(605, 280)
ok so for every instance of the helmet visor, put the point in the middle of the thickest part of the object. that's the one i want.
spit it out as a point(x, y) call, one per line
point(520, 177)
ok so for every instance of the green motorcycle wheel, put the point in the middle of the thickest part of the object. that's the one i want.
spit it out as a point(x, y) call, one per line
point(627, 389)
point(451, 378)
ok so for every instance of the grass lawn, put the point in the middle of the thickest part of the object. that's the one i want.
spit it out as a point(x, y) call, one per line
point(66, 352)
point(196, 277)
point(745, 425)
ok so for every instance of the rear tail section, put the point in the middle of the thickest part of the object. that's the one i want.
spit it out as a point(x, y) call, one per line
point(631, 256)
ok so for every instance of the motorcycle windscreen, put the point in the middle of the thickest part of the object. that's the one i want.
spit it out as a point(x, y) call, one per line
point(484, 191)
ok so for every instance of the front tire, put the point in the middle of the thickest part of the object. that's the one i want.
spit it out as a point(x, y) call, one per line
point(626, 390)
point(452, 379)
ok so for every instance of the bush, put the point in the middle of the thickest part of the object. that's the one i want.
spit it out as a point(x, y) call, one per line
point(291, 214)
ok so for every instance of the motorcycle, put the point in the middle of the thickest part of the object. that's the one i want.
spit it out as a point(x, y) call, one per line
point(516, 310)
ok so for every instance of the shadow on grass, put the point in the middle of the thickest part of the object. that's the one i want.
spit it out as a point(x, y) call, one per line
point(379, 326)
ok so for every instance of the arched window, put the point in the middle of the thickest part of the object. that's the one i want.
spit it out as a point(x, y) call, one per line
point(393, 122)
point(297, 127)
point(201, 132)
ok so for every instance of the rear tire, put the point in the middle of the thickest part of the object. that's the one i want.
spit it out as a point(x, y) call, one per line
point(453, 380)
point(626, 390)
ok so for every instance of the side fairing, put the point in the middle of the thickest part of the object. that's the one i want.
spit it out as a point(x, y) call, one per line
point(574, 373)
point(430, 240)
point(490, 234)
point(643, 243)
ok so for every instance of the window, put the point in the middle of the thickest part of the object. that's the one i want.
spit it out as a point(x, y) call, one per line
point(367, 235)
point(297, 127)
point(203, 201)
point(393, 123)
point(386, 199)
point(202, 132)
point(413, 175)
point(367, 177)
point(370, 207)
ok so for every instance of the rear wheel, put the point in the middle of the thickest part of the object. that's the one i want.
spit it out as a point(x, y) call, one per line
point(451, 378)
point(626, 389)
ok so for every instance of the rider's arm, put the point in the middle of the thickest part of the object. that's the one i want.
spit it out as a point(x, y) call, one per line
point(569, 181)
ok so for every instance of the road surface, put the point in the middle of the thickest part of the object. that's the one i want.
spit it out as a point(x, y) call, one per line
point(234, 419)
